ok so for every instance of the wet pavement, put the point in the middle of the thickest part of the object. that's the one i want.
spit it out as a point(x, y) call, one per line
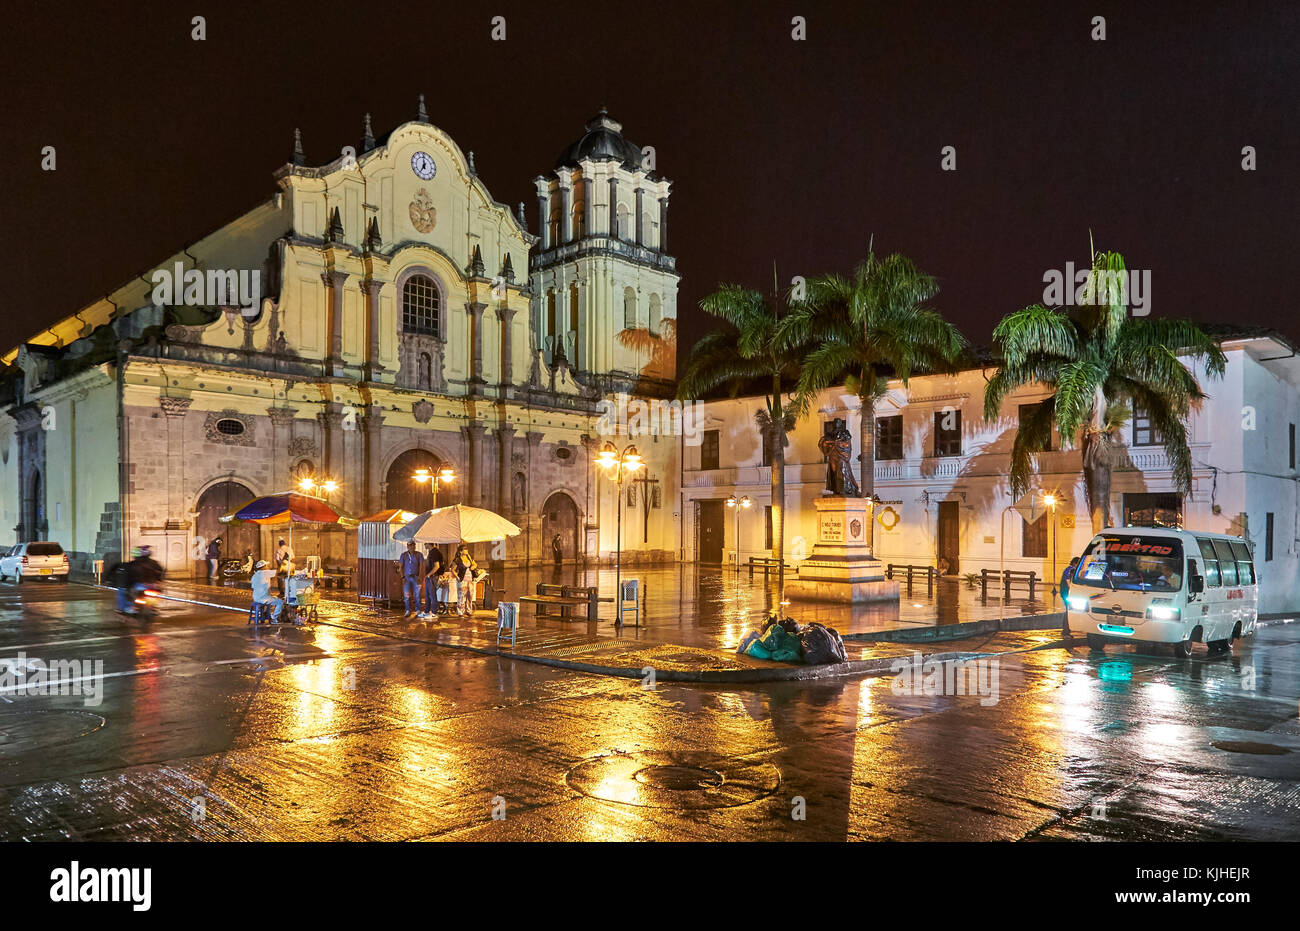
point(339, 731)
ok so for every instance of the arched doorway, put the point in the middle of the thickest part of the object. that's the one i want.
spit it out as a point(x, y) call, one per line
point(560, 518)
point(402, 490)
point(35, 509)
point(237, 540)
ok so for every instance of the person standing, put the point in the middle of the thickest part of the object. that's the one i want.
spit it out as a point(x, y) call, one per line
point(433, 566)
point(411, 566)
point(1065, 595)
point(214, 558)
point(557, 550)
point(283, 559)
point(464, 567)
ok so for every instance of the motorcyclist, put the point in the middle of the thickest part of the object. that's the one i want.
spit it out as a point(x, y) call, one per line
point(137, 575)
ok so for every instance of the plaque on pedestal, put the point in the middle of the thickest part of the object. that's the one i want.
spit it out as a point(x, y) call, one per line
point(841, 567)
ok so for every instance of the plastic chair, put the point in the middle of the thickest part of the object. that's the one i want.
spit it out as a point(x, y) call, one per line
point(258, 612)
point(507, 620)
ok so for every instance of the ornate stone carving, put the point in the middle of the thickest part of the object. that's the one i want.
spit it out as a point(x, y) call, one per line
point(281, 416)
point(424, 217)
point(175, 407)
point(246, 438)
point(183, 334)
point(422, 410)
point(302, 446)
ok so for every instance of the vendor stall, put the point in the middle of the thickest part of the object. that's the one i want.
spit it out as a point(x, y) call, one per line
point(377, 554)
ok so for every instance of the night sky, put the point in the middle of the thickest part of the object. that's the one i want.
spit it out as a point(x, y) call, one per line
point(785, 151)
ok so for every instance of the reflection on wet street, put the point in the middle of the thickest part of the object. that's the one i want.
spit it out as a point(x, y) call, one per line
point(203, 730)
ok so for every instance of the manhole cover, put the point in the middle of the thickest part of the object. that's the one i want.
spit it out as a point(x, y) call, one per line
point(683, 780)
point(23, 731)
point(1250, 746)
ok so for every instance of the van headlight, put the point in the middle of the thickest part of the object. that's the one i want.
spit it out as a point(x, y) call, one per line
point(1078, 604)
point(1163, 609)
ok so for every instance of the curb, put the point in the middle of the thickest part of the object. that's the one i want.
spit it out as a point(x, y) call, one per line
point(961, 631)
point(862, 668)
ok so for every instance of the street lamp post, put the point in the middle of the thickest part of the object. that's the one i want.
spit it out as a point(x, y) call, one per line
point(1050, 501)
point(737, 504)
point(616, 465)
point(445, 476)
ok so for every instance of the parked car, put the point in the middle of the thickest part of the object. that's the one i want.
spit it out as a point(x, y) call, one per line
point(39, 560)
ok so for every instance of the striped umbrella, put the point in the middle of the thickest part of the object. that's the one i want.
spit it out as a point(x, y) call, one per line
point(287, 507)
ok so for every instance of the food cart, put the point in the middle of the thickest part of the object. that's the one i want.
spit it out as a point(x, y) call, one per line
point(377, 551)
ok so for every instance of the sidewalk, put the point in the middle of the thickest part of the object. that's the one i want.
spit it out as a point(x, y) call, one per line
point(701, 652)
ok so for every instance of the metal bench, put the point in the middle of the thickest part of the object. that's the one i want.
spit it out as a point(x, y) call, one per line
point(1009, 577)
point(928, 571)
point(768, 563)
point(564, 598)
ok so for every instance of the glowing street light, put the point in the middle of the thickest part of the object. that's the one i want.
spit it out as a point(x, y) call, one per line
point(1050, 500)
point(615, 466)
point(444, 476)
point(738, 504)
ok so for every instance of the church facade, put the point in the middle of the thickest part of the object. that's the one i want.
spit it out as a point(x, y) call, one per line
point(377, 317)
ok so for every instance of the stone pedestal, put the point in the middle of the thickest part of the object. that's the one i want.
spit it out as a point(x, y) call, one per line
point(840, 567)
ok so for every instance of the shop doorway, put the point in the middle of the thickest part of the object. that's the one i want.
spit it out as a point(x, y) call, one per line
point(948, 536)
point(710, 521)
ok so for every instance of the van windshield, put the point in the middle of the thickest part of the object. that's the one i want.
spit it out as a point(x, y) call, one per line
point(1130, 562)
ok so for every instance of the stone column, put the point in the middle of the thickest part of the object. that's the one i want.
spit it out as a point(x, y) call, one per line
point(175, 526)
point(640, 230)
point(505, 448)
point(663, 224)
point(475, 311)
point(531, 520)
point(544, 206)
point(613, 208)
point(372, 456)
point(281, 433)
point(474, 434)
point(331, 424)
point(566, 211)
point(372, 287)
point(589, 206)
point(507, 316)
point(334, 280)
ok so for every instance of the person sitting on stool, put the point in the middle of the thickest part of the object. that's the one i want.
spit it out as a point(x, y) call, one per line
point(263, 579)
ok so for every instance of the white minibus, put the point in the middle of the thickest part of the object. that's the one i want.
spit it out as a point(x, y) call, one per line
point(1163, 585)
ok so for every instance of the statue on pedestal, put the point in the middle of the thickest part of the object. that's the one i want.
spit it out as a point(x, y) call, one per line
point(837, 446)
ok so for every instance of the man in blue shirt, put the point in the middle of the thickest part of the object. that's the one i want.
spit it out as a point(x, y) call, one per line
point(411, 565)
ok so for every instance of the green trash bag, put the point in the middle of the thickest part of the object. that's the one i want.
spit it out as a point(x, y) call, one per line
point(757, 650)
point(781, 645)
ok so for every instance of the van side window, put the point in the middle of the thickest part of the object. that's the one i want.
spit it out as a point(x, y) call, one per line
point(1245, 565)
point(1211, 562)
point(1227, 562)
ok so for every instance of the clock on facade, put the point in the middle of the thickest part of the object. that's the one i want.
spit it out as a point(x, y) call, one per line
point(423, 165)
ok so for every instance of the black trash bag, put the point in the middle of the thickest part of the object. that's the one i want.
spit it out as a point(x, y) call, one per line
point(822, 645)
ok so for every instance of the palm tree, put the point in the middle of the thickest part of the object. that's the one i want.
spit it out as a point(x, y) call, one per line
point(870, 327)
point(1098, 361)
point(747, 349)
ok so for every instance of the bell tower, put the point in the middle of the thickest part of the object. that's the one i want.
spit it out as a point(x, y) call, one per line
point(604, 286)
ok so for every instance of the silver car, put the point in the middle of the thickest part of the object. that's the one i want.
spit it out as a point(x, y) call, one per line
point(43, 559)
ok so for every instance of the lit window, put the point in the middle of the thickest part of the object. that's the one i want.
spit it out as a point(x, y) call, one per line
point(421, 303)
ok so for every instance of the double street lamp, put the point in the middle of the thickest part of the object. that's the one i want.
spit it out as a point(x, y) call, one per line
point(444, 476)
point(738, 504)
point(617, 464)
point(309, 485)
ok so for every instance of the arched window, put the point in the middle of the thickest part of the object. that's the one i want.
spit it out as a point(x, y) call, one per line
point(421, 306)
point(579, 219)
point(624, 222)
point(656, 314)
point(424, 378)
point(629, 309)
